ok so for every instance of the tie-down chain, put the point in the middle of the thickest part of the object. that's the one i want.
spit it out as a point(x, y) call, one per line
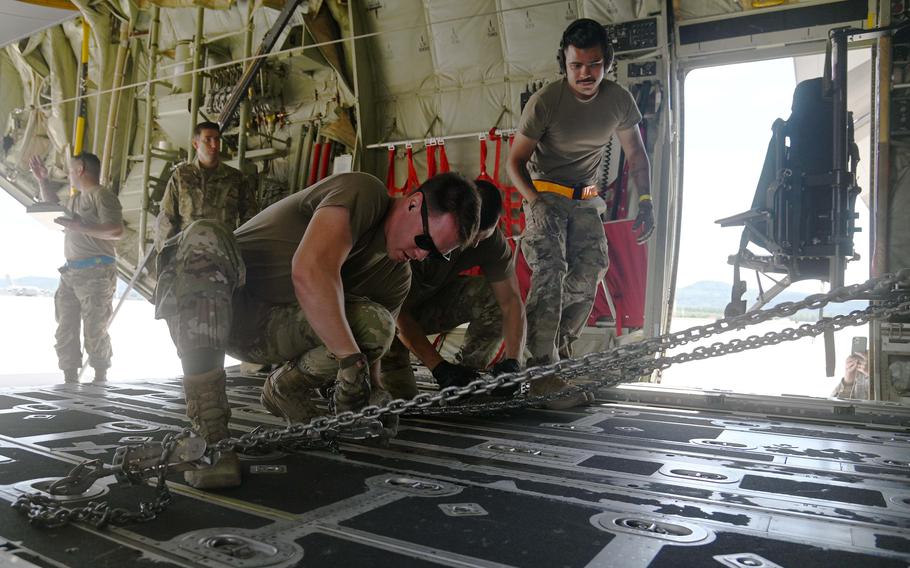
point(135, 464)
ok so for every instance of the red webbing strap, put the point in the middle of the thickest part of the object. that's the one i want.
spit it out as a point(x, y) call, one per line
point(498, 138)
point(431, 158)
point(314, 164)
point(513, 217)
point(324, 161)
point(443, 159)
point(413, 182)
point(390, 174)
point(483, 161)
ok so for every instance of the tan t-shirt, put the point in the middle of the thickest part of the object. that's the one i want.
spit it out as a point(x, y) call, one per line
point(268, 242)
point(493, 255)
point(98, 206)
point(571, 134)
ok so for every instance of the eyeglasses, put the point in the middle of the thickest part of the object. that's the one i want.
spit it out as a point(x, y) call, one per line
point(425, 241)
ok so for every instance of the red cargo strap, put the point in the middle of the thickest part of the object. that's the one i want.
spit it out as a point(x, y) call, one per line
point(411, 183)
point(431, 158)
point(314, 164)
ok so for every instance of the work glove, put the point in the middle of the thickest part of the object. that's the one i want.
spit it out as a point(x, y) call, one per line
point(452, 375)
point(505, 366)
point(352, 383)
point(644, 220)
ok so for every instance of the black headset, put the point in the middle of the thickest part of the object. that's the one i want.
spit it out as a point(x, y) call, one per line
point(597, 30)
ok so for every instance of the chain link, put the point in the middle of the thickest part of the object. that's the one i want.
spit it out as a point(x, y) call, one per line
point(599, 370)
point(46, 512)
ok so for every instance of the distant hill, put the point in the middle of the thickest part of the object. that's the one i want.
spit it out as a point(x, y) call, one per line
point(709, 298)
point(48, 285)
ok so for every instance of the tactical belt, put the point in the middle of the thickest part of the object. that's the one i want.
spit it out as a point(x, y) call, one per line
point(90, 261)
point(580, 192)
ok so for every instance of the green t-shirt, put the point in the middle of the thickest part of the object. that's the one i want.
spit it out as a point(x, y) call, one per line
point(571, 133)
point(97, 206)
point(269, 240)
point(493, 255)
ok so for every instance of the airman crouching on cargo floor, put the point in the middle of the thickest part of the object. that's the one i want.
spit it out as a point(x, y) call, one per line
point(313, 281)
point(442, 299)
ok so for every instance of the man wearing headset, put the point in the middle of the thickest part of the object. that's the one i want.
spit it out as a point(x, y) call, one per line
point(554, 163)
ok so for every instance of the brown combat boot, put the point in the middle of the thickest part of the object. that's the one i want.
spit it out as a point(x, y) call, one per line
point(208, 409)
point(288, 393)
point(352, 386)
point(381, 397)
point(551, 385)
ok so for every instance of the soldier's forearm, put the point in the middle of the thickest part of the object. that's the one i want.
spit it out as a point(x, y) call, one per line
point(640, 172)
point(321, 298)
point(513, 328)
point(48, 194)
point(518, 173)
point(413, 337)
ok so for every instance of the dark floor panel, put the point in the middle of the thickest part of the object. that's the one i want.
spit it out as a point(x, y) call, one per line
point(517, 530)
point(44, 395)
point(69, 546)
point(185, 514)
point(29, 465)
point(27, 424)
point(893, 543)
point(311, 482)
point(657, 431)
point(320, 550)
point(786, 554)
point(435, 438)
point(807, 490)
point(621, 465)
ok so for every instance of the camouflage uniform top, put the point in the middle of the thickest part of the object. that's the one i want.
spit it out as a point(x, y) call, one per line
point(269, 240)
point(95, 206)
point(493, 255)
point(194, 193)
point(571, 134)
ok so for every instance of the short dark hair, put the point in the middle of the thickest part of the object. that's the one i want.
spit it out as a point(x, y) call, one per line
point(490, 204)
point(206, 125)
point(450, 192)
point(585, 33)
point(91, 163)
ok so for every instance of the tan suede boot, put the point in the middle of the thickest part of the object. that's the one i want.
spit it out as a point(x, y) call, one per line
point(551, 385)
point(352, 385)
point(208, 409)
point(288, 393)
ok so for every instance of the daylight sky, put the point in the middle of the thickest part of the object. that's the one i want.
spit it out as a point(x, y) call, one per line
point(27, 248)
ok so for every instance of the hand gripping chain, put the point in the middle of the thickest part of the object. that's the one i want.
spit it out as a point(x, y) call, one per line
point(890, 295)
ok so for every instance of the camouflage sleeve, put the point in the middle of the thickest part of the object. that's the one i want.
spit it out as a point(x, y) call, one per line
point(168, 222)
point(249, 205)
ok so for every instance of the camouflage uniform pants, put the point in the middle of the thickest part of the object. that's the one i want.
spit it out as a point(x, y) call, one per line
point(468, 299)
point(565, 246)
point(200, 294)
point(83, 298)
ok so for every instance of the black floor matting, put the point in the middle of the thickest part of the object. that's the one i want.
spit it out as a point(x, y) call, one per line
point(522, 492)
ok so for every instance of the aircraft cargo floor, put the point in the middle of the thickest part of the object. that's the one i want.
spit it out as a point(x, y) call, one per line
point(626, 483)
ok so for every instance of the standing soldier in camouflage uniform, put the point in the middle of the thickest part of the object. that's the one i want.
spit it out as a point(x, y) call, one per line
point(563, 130)
point(89, 277)
point(204, 189)
point(440, 300)
point(315, 280)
